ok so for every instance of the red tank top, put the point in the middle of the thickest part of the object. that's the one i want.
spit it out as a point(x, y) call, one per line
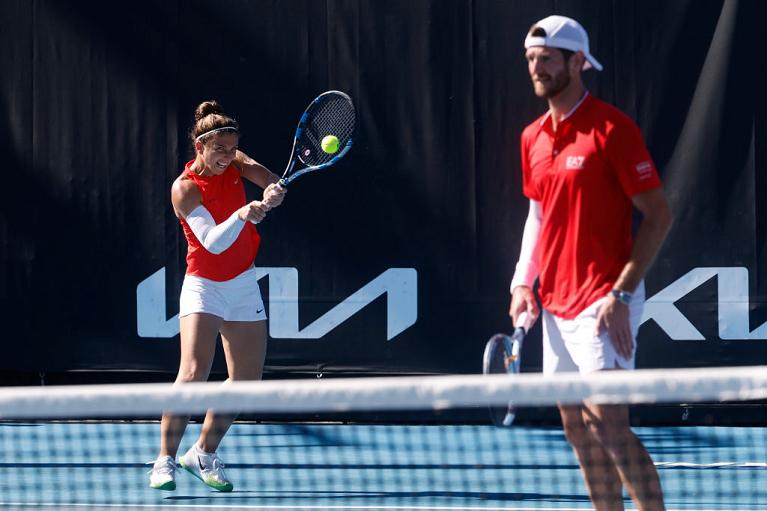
point(222, 195)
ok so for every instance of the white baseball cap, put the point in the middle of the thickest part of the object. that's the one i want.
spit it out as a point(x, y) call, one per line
point(564, 33)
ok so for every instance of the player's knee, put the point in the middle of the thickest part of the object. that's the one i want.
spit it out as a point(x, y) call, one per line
point(611, 435)
point(577, 434)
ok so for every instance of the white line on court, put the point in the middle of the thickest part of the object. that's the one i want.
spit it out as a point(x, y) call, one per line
point(717, 464)
point(311, 508)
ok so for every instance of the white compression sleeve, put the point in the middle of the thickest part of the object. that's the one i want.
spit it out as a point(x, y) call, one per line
point(527, 267)
point(215, 238)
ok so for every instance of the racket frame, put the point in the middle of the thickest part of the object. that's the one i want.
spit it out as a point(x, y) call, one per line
point(287, 177)
point(512, 361)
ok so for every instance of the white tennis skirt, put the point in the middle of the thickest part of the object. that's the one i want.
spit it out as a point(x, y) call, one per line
point(238, 299)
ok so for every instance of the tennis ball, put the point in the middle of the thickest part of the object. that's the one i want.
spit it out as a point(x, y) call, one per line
point(330, 144)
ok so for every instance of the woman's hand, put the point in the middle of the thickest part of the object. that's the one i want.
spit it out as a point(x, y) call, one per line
point(253, 212)
point(274, 195)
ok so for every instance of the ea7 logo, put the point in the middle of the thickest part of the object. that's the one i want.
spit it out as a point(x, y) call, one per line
point(733, 306)
point(574, 162)
point(399, 284)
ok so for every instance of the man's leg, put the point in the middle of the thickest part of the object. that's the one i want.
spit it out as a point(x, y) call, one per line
point(602, 479)
point(609, 425)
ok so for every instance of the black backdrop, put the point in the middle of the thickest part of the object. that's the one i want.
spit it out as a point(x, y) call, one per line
point(97, 98)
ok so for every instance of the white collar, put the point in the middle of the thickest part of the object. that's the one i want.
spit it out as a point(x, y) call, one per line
point(571, 112)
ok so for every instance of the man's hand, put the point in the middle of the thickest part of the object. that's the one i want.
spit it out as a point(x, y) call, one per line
point(523, 300)
point(613, 318)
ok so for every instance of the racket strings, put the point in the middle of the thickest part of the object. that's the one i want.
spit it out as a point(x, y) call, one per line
point(334, 116)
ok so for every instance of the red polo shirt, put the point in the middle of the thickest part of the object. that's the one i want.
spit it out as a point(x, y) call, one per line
point(222, 195)
point(584, 175)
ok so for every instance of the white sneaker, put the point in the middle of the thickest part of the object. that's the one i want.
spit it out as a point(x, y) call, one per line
point(207, 467)
point(163, 474)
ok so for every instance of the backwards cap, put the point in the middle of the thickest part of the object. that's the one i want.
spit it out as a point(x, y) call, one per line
point(564, 33)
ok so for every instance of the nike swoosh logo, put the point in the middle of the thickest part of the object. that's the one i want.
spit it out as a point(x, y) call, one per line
point(259, 311)
point(199, 462)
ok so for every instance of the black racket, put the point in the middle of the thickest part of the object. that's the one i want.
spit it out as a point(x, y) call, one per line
point(324, 135)
point(503, 355)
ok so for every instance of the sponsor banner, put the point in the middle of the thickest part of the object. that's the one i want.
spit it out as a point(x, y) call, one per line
point(398, 259)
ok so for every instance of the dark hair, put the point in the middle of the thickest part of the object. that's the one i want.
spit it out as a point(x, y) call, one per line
point(537, 31)
point(208, 116)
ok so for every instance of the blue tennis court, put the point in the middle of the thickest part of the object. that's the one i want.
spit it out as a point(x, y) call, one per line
point(101, 465)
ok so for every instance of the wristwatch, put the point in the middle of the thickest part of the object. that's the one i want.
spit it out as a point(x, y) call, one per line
point(622, 296)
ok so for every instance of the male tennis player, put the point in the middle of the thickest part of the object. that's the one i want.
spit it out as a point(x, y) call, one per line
point(584, 168)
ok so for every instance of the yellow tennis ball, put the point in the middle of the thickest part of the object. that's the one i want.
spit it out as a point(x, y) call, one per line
point(330, 144)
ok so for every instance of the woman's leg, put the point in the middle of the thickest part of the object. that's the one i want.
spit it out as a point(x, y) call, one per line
point(198, 346)
point(245, 350)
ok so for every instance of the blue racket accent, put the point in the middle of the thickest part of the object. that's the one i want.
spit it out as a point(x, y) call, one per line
point(331, 113)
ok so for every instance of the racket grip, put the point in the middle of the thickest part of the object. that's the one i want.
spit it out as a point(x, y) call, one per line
point(510, 416)
point(515, 350)
point(522, 320)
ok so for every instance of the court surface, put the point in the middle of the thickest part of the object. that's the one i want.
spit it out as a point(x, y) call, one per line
point(365, 467)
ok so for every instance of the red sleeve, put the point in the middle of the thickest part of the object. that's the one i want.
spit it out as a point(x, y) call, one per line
point(527, 183)
point(630, 159)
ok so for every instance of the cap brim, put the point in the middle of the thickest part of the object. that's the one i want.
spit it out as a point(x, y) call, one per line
point(591, 62)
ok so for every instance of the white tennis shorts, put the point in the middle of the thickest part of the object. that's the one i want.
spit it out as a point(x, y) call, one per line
point(569, 345)
point(238, 299)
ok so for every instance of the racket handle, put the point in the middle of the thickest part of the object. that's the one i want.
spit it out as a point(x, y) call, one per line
point(516, 348)
point(282, 183)
point(522, 321)
point(511, 414)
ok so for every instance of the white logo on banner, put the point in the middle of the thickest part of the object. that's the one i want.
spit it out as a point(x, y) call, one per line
point(399, 284)
point(733, 306)
point(400, 287)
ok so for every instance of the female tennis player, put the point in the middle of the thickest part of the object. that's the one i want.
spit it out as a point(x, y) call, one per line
point(220, 293)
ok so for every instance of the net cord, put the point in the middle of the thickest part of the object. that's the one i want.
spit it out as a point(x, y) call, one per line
point(387, 393)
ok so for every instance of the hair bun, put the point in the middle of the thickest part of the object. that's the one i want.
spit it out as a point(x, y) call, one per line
point(206, 108)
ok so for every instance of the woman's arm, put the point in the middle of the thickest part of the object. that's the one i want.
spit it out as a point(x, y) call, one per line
point(187, 203)
point(261, 176)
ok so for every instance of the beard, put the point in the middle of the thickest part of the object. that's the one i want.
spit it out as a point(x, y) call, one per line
point(553, 85)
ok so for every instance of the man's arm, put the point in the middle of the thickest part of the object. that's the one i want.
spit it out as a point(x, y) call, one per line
point(526, 272)
point(656, 222)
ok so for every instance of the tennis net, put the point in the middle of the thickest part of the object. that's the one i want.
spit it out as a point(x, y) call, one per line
point(420, 443)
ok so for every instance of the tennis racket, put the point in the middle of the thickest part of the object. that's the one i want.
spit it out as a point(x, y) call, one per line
point(330, 118)
point(503, 355)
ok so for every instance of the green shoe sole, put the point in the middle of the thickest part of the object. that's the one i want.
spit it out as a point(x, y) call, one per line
point(220, 487)
point(169, 486)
